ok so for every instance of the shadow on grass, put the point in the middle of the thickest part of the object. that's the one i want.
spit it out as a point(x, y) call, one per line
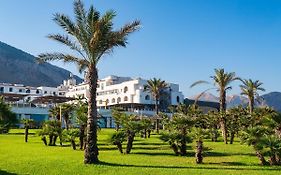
point(201, 167)
point(228, 164)
point(155, 144)
point(155, 154)
point(6, 173)
point(220, 154)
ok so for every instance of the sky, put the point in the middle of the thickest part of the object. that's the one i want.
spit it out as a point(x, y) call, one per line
point(180, 41)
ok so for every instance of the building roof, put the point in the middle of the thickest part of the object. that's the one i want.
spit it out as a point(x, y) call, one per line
point(52, 99)
point(210, 104)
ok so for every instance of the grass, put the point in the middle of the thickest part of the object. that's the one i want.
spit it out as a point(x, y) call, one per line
point(149, 156)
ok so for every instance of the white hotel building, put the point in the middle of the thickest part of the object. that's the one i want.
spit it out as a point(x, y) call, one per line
point(126, 92)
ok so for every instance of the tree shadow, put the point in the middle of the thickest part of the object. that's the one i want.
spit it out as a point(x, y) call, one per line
point(156, 144)
point(6, 173)
point(229, 164)
point(154, 154)
point(192, 167)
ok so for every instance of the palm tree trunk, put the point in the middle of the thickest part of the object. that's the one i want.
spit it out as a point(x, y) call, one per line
point(199, 151)
point(73, 144)
point(26, 134)
point(51, 140)
point(157, 112)
point(251, 105)
point(91, 151)
point(175, 148)
point(55, 140)
point(261, 158)
point(44, 140)
point(119, 146)
point(131, 136)
point(223, 119)
point(82, 136)
point(232, 135)
point(183, 143)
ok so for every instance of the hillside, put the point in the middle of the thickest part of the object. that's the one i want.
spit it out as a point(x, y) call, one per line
point(272, 99)
point(19, 67)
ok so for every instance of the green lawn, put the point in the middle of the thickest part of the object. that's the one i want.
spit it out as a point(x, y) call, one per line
point(149, 156)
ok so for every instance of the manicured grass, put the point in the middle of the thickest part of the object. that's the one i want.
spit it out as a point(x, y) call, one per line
point(149, 156)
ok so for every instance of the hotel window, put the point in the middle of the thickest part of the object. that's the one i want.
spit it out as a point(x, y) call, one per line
point(20, 90)
point(147, 97)
point(178, 99)
point(125, 89)
point(37, 91)
point(113, 100)
point(10, 89)
point(1, 89)
point(100, 102)
point(125, 98)
point(118, 100)
point(45, 92)
point(27, 91)
point(106, 102)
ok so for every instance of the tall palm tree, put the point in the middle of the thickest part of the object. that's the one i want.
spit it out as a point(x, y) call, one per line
point(92, 36)
point(250, 89)
point(156, 87)
point(222, 81)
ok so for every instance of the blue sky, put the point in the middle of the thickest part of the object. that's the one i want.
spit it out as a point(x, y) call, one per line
point(180, 41)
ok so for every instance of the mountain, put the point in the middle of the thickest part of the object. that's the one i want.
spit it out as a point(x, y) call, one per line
point(19, 67)
point(205, 97)
point(236, 100)
point(272, 99)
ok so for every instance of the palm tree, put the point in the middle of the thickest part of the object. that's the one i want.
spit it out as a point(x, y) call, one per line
point(250, 89)
point(222, 81)
point(27, 124)
point(66, 110)
point(235, 118)
point(254, 136)
point(7, 117)
point(199, 134)
point(81, 113)
point(92, 36)
point(156, 87)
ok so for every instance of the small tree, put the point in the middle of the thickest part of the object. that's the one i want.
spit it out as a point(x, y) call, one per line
point(7, 117)
point(117, 139)
point(81, 113)
point(71, 135)
point(234, 117)
point(175, 141)
point(147, 127)
point(199, 134)
point(53, 130)
point(212, 122)
point(117, 116)
point(254, 137)
point(28, 123)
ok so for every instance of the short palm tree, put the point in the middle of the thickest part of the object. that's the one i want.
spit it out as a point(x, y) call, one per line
point(81, 113)
point(91, 36)
point(254, 136)
point(66, 110)
point(250, 89)
point(222, 81)
point(156, 87)
point(27, 124)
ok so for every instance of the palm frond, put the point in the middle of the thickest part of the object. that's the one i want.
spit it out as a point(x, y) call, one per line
point(199, 82)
